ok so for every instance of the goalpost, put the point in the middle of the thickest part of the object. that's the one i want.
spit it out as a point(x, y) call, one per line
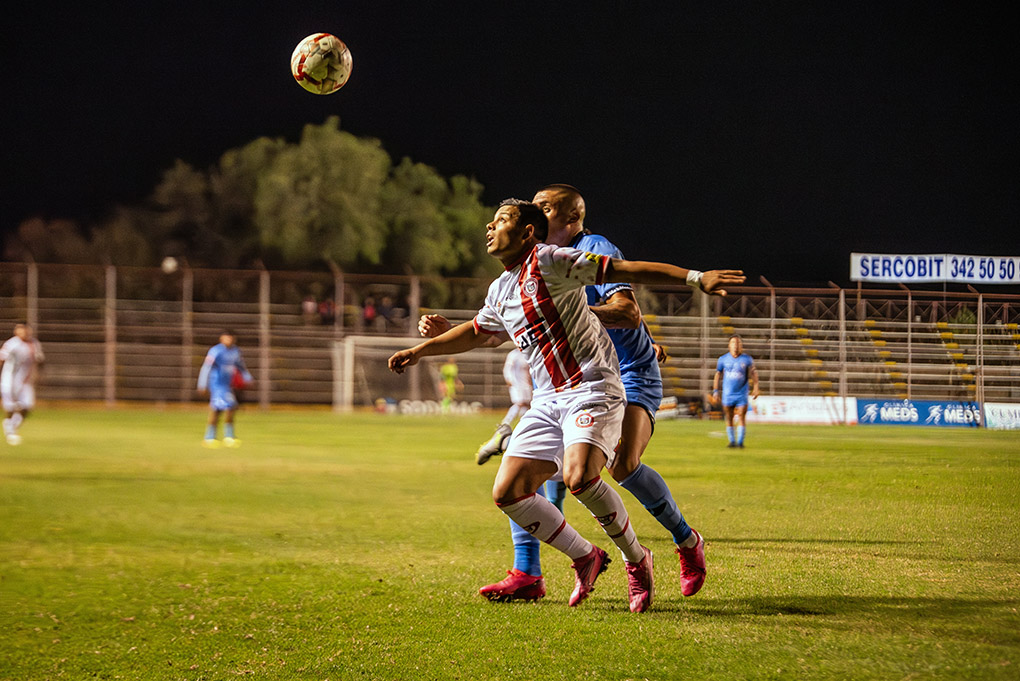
point(361, 377)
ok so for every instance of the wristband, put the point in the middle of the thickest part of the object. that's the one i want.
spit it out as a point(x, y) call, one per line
point(694, 278)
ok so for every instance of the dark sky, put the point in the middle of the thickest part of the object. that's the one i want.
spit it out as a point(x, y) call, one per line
point(776, 137)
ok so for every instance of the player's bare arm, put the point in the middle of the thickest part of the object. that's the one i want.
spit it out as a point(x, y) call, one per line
point(715, 387)
point(432, 325)
point(755, 384)
point(660, 273)
point(460, 338)
point(620, 311)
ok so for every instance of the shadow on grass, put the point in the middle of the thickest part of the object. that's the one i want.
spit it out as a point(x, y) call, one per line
point(992, 621)
point(786, 540)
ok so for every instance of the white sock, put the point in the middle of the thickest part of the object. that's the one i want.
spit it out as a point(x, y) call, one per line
point(7, 426)
point(689, 542)
point(543, 521)
point(607, 507)
point(16, 421)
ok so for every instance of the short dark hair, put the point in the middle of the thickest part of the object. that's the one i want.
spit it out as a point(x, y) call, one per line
point(529, 213)
point(560, 186)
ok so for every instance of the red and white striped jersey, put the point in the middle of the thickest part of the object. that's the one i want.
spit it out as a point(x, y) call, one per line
point(541, 303)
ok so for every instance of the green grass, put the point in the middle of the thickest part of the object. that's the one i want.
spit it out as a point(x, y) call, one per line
point(352, 547)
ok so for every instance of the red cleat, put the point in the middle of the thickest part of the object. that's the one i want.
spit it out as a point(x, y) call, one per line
point(587, 570)
point(692, 566)
point(641, 582)
point(518, 586)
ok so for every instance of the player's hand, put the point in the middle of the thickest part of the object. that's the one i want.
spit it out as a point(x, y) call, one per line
point(432, 325)
point(660, 353)
point(203, 392)
point(712, 281)
point(401, 360)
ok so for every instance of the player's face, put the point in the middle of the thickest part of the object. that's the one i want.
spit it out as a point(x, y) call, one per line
point(556, 208)
point(227, 340)
point(23, 332)
point(736, 347)
point(503, 237)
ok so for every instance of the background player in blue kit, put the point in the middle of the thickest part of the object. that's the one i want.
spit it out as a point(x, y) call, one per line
point(217, 378)
point(738, 374)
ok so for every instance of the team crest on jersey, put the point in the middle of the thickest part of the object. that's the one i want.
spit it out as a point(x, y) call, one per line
point(585, 420)
point(530, 286)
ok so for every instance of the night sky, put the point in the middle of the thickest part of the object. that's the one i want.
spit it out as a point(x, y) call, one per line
point(775, 137)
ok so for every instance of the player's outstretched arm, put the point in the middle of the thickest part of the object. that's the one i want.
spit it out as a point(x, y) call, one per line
point(660, 273)
point(460, 338)
point(432, 325)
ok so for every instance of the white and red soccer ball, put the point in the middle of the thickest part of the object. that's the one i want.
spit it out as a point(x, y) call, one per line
point(321, 63)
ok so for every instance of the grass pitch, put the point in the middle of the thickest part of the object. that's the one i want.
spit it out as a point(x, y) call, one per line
point(352, 547)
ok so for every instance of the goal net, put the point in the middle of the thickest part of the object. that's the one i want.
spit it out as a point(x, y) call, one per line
point(361, 378)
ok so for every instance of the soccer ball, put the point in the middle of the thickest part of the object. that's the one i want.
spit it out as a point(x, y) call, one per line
point(321, 63)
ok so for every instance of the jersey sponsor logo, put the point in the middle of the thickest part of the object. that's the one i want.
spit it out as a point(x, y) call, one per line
point(585, 420)
point(529, 335)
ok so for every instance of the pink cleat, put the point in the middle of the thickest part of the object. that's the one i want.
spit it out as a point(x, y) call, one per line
point(692, 566)
point(518, 586)
point(588, 570)
point(641, 582)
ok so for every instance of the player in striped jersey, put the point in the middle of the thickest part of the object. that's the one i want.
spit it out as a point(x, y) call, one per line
point(577, 410)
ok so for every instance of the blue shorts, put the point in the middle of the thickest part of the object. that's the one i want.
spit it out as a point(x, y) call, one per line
point(222, 400)
point(644, 388)
point(735, 400)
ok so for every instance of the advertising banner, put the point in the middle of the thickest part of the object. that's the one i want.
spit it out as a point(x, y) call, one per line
point(807, 410)
point(1002, 415)
point(917, 413)
point(935, 268)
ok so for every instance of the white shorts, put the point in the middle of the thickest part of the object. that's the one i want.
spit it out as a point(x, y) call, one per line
point(19, 398)
point(554, 423)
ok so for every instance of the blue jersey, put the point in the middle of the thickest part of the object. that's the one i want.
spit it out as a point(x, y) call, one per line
point(736, 374)
point(639, 367)
point(219, 367)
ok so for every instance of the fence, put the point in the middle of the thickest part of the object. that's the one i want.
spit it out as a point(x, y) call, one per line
point(125, 333)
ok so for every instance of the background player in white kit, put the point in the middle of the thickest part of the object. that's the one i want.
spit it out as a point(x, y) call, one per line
point(517, 375)
point(21, 355)
point(577, 410)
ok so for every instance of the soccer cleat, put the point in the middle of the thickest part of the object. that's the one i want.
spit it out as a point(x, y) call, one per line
point(494, 445)
point(692, 566)
point(732, 445)
point(518, 586)
point(231, 442)
point(13, 439)
point(587, 570)
point(641, 582)
point(210, 443)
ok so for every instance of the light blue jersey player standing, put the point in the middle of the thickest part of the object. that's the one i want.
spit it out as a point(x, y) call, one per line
point(616, 307)
point(739, 376)
point(222, 371)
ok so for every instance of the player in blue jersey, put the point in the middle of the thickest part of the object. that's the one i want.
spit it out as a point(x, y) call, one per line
point(222, 371)
point(739, 376)
point(617, 308)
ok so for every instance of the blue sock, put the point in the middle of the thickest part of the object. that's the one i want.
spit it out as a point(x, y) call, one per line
point(210, 432)
point(526, 551)
point(555, 492)
point(228, 430)
point(740, 435)
point(729, 433)
point(650, 489)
